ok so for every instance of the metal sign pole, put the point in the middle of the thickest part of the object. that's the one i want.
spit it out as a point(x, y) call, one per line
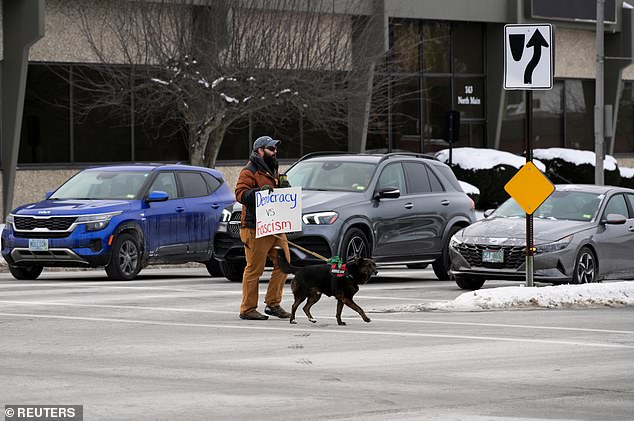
point(529, 217)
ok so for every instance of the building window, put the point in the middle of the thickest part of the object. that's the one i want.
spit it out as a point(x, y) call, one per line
point(624, 135)
point(562, 117)
point(449, 76)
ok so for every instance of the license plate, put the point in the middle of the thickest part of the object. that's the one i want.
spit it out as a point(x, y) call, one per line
point(493, 256)
point(38, 244)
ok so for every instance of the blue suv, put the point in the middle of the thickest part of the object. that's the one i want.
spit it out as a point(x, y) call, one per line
point(122, 218)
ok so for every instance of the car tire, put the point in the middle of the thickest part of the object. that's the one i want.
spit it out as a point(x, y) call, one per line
point(233, 270)
point(586, 265)
point(125, 262)
point(25, 273)
point(354, 244)
point(469, 284)
point(441, 265)
point(213, 267)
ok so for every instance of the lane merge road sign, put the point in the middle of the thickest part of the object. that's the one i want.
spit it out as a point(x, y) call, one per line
point(528, 57)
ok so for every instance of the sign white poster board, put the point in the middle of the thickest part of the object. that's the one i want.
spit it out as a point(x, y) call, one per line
point(278, 212)
point(528, 57)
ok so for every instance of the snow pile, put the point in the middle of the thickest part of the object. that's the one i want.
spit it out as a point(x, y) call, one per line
point(574, 156)
point(613, 294)
point(469, 188)
point(481, 158)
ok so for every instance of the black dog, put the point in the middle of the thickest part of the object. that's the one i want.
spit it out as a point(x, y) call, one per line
point(311, 281)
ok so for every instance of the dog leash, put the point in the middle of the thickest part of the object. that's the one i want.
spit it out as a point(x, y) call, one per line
point(312, 253)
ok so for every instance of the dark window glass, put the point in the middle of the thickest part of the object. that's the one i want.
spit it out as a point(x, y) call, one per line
point(472, 134)
point(513, 121)
point(436, 185)
point(287, 128)
point(436, 47)
point(437, 103)
point(630, 198)
point(101, 134)
point(193, 184)
point(469, 97)
point(548, 117)
point(624, 135)
point(165, 181)
point(45, 135)
point(235, 144)
point(212, 182)
point(405, 44)
point(159, 140)
point(579, 114)
point(317, 139)
point(417, 178)
point(406, 116)
point(468, 48)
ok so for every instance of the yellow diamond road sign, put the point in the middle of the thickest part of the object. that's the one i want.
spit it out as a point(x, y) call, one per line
point(529, 187)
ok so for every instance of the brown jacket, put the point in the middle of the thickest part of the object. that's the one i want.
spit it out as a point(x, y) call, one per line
point(251, 179)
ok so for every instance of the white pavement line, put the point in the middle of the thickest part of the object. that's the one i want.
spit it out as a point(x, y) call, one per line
point(340, 331)
point(140, 288)
point(374, 319)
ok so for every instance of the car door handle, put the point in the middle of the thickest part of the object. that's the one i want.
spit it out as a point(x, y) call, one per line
point(215, 205)
point(409, 205)
point(445, 202)
point(630, 229)
point(180, 209)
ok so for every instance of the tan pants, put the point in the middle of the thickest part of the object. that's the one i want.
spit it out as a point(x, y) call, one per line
point(256, 250)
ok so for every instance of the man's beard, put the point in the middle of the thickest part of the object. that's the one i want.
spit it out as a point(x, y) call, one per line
point(271, 161)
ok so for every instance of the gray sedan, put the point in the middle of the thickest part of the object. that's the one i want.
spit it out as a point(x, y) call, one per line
point(582, 233)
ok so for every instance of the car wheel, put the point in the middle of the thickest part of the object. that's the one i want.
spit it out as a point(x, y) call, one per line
point(234, 270)
point(585, 267)
point(441, 265)
point(417, 266)
point(125, 262)
point(469, 284)
point(213, 267)
point(354, 245)
point(25, 273)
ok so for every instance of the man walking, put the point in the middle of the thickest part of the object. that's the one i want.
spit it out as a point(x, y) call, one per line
point(260, 173)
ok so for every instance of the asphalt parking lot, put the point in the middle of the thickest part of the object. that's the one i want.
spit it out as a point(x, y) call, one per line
point(170, 345)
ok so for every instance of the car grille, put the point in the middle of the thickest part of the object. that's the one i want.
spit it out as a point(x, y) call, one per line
point(53, 223)
point(514, 257)
point(314, 244)
point(234, 223)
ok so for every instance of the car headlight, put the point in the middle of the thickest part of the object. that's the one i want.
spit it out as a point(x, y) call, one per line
point(96, 222)
point(9, 220)
point(320, 218)
point(555, 246)
point(455, 241)
point(225, 216)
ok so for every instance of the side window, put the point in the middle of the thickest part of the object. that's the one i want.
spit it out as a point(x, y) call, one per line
point(166, 181)
point(393, 176)
point(436, 185)
point(630, 198)
point(417, 178)
point(193, 184)
point(616, 205)
point(212, 182)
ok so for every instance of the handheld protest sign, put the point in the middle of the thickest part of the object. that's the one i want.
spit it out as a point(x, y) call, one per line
point(278, 212)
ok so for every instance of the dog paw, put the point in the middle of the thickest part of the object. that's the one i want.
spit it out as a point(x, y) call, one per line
point(367, 320)
point(341, 323)
point(312, 320)
point(293, 322)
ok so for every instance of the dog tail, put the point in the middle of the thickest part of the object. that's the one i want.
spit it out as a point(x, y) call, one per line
point(283, 263)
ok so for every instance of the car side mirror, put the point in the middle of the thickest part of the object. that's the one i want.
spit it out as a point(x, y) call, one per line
point(387, 192)
point(488, 212)
point(48, 194)
point(157, 196)
point(614, 219)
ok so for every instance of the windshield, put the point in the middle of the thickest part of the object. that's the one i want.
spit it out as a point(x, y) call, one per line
point(90, 184)
point(561, 205)
point(331, 175)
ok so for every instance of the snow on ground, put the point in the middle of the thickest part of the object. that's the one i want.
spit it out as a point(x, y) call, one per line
point(612, 294)
point(575, 156)
point(482, 158)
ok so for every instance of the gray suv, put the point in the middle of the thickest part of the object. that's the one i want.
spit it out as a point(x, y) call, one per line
point(396, 208)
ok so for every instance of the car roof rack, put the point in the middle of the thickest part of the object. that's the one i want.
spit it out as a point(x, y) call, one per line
point(325, 153)
point(415, 154)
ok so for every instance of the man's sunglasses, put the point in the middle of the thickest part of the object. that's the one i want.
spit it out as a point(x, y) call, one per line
point(272, 148)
